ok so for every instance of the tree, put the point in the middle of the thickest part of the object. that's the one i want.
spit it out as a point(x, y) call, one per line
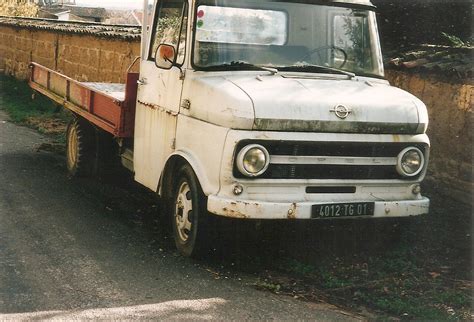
point(18, 8)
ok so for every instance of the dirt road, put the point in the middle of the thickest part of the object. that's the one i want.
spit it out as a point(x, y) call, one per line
point(66, 253)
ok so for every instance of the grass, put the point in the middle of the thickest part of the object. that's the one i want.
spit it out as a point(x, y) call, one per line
point(33, 110)
point(425, 275)
point(275, 288)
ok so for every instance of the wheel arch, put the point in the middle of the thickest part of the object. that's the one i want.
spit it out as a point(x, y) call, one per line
point(173, 162)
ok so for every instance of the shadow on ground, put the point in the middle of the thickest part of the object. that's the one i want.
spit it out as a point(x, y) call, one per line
point(411, 268)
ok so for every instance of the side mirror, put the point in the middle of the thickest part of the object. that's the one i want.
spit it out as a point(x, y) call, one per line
point(165, 56)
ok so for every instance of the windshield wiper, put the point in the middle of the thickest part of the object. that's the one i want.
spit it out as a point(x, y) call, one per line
point(241, 65)
point(310, 67)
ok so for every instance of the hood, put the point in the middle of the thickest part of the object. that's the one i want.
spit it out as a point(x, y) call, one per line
point(290, 103)
point(310, 104)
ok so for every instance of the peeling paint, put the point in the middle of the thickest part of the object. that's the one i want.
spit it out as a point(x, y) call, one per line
point(422, 206)
point(233, 213)
point(157, 107)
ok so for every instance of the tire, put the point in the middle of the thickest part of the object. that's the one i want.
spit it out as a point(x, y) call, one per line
point(80, 149)
point(189, 215)
point(107, 160)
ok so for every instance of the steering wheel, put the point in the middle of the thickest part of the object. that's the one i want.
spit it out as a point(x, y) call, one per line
point(319, 49)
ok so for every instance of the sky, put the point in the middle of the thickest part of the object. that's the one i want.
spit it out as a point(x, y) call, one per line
point(111, 3)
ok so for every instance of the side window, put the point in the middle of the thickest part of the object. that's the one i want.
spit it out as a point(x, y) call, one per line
point(350, 34)
point(170, 27)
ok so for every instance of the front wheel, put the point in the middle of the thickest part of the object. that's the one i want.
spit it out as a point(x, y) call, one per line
point(189, 214)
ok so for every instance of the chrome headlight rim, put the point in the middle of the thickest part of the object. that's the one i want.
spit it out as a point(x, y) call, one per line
point(400, 157)
point(241, 156)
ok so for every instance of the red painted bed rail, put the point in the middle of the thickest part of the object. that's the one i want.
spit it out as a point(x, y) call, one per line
point(116, 116)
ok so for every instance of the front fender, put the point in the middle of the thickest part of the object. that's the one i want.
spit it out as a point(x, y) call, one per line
point(207, 186)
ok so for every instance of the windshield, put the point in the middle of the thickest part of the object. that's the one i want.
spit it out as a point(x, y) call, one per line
point(286, 35)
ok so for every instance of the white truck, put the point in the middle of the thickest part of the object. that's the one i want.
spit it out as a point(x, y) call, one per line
point(255, 110)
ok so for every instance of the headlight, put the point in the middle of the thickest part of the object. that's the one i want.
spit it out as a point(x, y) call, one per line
point(253, 160)
point(410, 162)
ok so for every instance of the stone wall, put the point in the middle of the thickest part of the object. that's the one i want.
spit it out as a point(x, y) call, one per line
point(450, 104)
point(82, 51)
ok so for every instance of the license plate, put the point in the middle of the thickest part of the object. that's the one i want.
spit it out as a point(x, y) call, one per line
point(339, 210)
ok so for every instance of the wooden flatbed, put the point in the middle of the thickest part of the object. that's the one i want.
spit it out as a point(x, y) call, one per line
point(108, 106)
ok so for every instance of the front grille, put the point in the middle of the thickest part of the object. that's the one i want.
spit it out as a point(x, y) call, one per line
point(331, 149)
point(283, 171)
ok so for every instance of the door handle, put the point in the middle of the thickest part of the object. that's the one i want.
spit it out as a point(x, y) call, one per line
point(141, 81)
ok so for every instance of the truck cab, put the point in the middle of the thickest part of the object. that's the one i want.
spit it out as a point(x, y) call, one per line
point(258, 110)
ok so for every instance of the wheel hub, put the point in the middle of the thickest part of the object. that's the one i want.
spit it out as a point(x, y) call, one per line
point(183, 210)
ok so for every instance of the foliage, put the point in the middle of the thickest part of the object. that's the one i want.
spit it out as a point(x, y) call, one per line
point(275, 288)
point(39, 113)
point(358, 49)
point(168, 29)
point(18, 8)
point(454, 40)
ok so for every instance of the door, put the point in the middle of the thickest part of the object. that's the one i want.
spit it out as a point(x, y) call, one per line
point(159, 93)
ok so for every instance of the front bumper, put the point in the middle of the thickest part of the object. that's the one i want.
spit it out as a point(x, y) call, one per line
point(302, 210)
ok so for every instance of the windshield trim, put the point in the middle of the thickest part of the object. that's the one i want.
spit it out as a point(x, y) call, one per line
point(336, 3)
point(321, 67)
point(351, 4)
point(257, 68)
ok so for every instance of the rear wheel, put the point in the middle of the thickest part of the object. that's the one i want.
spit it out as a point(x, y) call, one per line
point(189, 214)
point(80, 148)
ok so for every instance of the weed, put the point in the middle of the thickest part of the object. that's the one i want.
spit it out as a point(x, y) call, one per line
point(452, 298)
point(406, 307)
point(275, 288)
point(455, 41)
point(35, 111)
point(297, 267)
point(330, 279)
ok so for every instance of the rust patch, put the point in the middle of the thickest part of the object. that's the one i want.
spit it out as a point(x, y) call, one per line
point(157, 107)
point(233, 213)
point(292, 211)
point(334, 126)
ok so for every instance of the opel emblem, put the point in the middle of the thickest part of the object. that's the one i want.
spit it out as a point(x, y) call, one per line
point(341, 111)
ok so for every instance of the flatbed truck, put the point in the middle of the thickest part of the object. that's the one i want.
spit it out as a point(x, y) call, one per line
point(254, 110)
